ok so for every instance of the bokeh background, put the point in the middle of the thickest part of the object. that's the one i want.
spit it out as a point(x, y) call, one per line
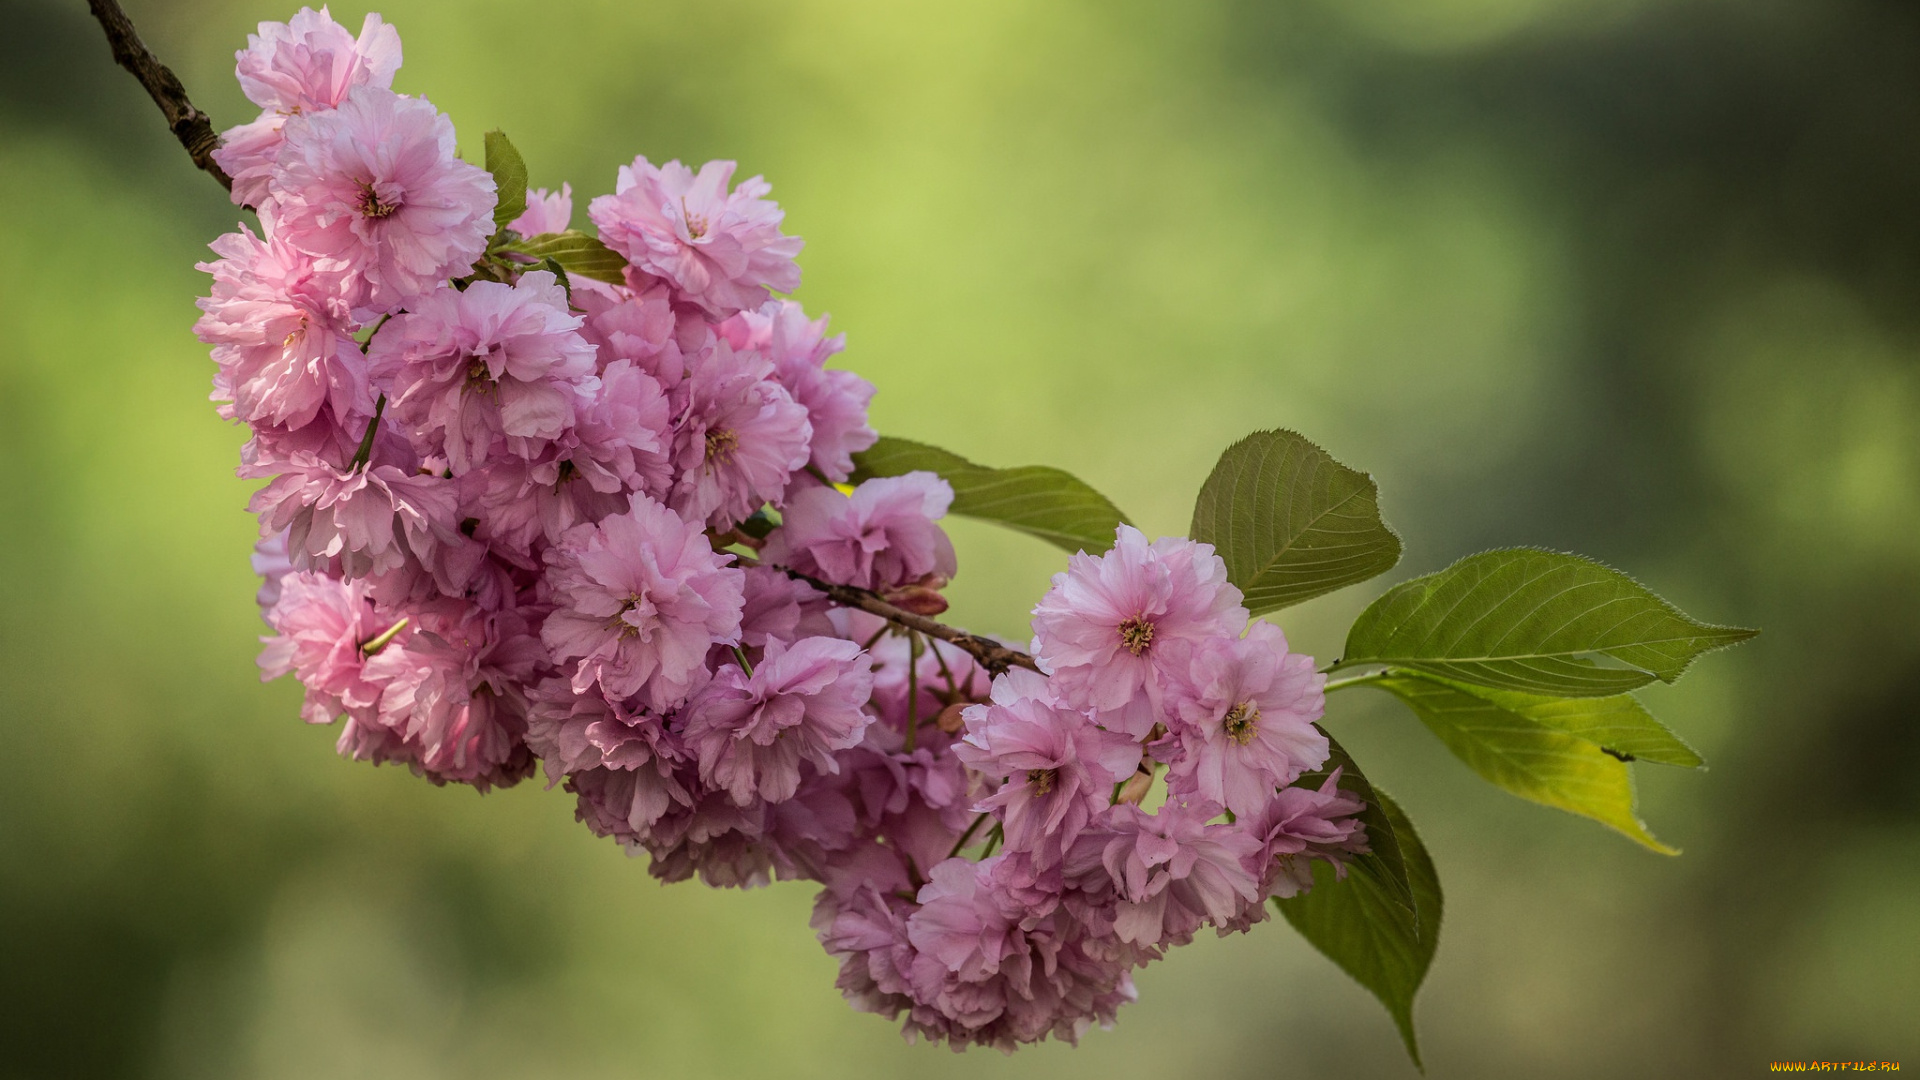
point(1634, 278)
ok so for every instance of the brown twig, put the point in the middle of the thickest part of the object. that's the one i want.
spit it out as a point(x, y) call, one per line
point(192, 127)
point(992, 655)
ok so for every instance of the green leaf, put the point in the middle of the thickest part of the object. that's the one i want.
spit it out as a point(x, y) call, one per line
point(552, 266)
point(1385, 860)
point(1529, 620)
point(1035, 499)
point(1291, 522)
point(1356, 922)
point(579, 253)
point(1524, 756)
point(1620, 725)
point(509, 178)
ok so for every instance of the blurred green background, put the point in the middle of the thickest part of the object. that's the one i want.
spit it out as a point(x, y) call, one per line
point(1635, 278)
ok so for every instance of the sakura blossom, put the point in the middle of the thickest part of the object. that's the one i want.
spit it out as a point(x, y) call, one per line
point(739, 440)
point(280, 333)
point(639, 597)
point(1058, 767)
point(304, 65)
point(375, 185)
point(492, 369)
point(1118, 625)
point(881, 537)
point(546, 212)
point(720, 249)
point(835, 400)
point(1243, 713)
point(802, 702)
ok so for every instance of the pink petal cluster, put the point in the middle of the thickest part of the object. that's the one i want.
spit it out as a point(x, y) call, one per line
point(721, 249)
point(375, 187)
point(279, 334)
point(491, 370)
point(639, 598)
point(835, 400)
point(1246, 710)
point(739, 440)
point(1116, 626)
point(509, 517)
point(546, 212)
point(881, 537)
point(803, 702)
point(303, 66)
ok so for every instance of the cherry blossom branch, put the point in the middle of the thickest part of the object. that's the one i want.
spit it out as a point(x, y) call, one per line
point(992, 655)
point(192, 127)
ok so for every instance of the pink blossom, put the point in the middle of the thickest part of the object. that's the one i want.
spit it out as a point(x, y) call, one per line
point(1112, 626)
point(489, 370)
point(635, 806)
point(881, 537)
point(305, 65)
point(984, 975)
point(375, 185)
point(321, 625)
point(577, 733)
point(546, 212)
point(1171, 872)
point(809, 831)
point(964, 922)
point(1059, 769)
point(1299, 824)
point(836, 401)
point(638, 598)
point(616, 447)
point(641, 328)
point(920, 801)
point(1243, 713)
point(738, 440)
point(454, 708)
point(372, 519)
point(279, 331)
point(623, 436)
point(802, 703)
point(862, 920)
point(722, 250)
point(716, 838)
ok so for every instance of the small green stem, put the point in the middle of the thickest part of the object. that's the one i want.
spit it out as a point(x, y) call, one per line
point(361, 455)
point(953, 692)
point(968, 835)
point(379, 641)
point(993, 841)
point(368, 344)
point(740, 654)
point(1354, 680)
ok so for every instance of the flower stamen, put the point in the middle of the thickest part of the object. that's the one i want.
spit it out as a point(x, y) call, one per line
point(1042, 780)
point(1242, 722)
point(372, 205)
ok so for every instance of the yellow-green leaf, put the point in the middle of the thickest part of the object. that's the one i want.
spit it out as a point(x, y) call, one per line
point(1526, 757)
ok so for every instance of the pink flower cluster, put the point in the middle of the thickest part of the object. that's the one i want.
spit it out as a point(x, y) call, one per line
point(1150, 673)
point(514, 518)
